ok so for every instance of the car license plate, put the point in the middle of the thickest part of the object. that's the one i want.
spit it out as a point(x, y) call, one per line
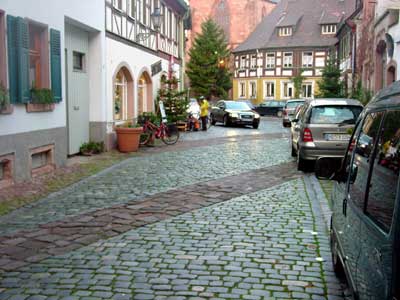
point(337, 137)
point(246, 117)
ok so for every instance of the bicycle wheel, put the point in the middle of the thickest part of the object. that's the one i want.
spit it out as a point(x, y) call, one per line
point(171, 135)
point(145, 137)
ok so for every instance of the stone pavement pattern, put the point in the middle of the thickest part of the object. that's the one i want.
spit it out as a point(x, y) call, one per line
point(139, 177)
point(262, 245)
point(62, 236)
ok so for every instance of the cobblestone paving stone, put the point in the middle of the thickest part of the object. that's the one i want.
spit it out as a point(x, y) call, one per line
point(28, 246)
point(263, 245)
point(143, 176)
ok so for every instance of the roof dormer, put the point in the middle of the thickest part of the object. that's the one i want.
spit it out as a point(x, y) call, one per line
point(285, 31)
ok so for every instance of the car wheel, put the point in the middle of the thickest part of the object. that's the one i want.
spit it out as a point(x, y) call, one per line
point(301, 163)
point(213, 122)
point(336, 262)
point(294, 154)
point(255, 125)
point(279, 114)
point(226, 121)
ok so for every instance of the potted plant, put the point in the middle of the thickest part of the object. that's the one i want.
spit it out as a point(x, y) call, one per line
point(4, 99)
point(128, 137)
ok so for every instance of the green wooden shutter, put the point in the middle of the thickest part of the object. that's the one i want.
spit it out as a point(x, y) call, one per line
point(12, 58)
point(24, 93)
point(55, 60)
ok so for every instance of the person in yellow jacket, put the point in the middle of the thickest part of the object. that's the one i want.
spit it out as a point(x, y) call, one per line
point(204, 106)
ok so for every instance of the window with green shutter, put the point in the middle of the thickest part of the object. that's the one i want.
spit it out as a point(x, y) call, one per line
point(55, 63)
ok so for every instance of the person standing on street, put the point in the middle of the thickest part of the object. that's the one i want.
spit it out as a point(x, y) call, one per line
point(204, 106)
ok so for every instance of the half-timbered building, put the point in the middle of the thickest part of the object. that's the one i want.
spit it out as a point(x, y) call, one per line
point(296, 37)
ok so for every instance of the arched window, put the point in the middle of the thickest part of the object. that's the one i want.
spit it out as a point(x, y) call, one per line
point(391, 75)
point(145, 93)
point(380, 65)
point(123, 96)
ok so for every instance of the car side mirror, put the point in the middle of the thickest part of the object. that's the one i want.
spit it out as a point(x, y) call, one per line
point(327, 167)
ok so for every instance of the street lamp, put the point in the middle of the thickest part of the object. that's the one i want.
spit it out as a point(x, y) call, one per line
point(156, 19)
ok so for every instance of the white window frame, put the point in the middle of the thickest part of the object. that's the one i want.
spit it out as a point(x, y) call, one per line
point(132, 9)
point(312, 90)
point(287, 59)
point(268, 84)
point(115, 4)
point(242, 62)
point(329, 29)
point(242, 89)
point(270, 60)
point(251, 85)
point(253, 61)
point(285, 31)
point(289, 85)
point(307, 60)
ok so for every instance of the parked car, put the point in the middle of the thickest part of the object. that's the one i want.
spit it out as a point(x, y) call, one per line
point(322, 129)
point(289, 111)
point(365, 224)
point(249, 103)
point(270, 108)
point(234, 112)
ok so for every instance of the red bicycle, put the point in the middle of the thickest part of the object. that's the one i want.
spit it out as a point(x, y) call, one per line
point(168, 133)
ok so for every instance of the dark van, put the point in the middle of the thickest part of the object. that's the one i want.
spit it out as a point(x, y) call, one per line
point(365, 224)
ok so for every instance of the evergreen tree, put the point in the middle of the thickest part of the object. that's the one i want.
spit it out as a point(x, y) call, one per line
point(330, 86)
point(207, 68)
point(175, 101)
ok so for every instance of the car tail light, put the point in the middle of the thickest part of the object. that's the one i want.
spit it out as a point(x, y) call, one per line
point(285, 113)
point(352, 145)
point(307, 135)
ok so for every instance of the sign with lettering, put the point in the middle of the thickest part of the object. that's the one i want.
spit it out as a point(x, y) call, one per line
point(156, 68)
point(162, 111)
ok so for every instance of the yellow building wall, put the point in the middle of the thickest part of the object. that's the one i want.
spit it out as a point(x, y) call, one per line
point(260, 87)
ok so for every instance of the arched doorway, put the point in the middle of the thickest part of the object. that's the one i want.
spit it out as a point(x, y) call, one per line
point(380, 65)
point(145, 93)
point(123, 108)
point(391, 75)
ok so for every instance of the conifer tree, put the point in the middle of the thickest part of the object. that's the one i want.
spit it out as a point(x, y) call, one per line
point(330, 85)
point(207, 68)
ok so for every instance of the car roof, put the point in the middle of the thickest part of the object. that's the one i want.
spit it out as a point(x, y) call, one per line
point(295, 100)
point(334, 101)
point(389, 96)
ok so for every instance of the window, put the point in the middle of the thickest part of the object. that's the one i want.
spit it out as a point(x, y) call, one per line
point(253, 63)
point(243, 62)
point(285, 31)
point(287, 90)
point(335, 114)
point(307, 90)
point(270, 60)
point(361, 161)
point(385, 174)
point(287, 59)
point(269, 89)
point(242, 89)
point(329, 29)
point(307, 59)
point(117, 4)
point(132, 9)
point(163, 12)
point(253, 89)
point(78, 61)
point(38, 56)
point(3, 64)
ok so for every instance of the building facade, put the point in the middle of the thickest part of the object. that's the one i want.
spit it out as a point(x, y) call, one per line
point(296, 38)
point(137, 57)
point(52, 68)
point(73, 74)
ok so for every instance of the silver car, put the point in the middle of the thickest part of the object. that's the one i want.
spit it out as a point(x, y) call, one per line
point(290, 110)
point(323, 128)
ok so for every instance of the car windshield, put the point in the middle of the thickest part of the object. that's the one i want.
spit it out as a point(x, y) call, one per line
point(237, 105)
point(335, 114)
point(294, 104)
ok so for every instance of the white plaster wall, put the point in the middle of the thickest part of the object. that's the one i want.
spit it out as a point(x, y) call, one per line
point(89, 13)
point(136, 60)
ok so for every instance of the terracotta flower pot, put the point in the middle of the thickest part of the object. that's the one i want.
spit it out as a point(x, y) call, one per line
point(128, 138)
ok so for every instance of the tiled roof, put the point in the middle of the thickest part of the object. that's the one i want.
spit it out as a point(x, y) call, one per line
point(306, 16)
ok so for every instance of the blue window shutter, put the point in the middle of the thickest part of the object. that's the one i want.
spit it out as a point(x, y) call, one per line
point(12, 58)
point(55, 62)
point(24, 93)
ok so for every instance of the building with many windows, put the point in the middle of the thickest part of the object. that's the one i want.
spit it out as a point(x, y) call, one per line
point(296, 37)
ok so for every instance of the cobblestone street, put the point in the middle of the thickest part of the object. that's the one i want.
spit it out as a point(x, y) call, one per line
point(221, 215)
